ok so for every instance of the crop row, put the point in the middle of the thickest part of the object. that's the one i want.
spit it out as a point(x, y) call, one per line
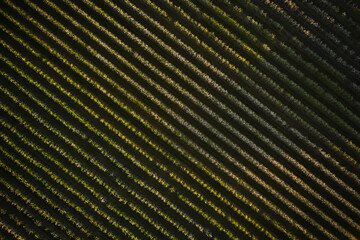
point(153, 126)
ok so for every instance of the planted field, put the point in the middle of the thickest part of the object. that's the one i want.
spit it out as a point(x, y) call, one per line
point(188, 119)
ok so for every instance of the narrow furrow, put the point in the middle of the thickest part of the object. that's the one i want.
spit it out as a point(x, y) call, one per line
point(262, 19)
point(75, 162)
point(265, 51)
point(189, 119)
point(267, 80)
point(75, 130)
point(8, 217)
point(72, 20)
point(314, 129)
point(310, 37)
point(163, 167)
point(29, 221)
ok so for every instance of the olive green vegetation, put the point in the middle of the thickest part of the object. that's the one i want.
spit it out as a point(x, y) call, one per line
point(189, 119)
